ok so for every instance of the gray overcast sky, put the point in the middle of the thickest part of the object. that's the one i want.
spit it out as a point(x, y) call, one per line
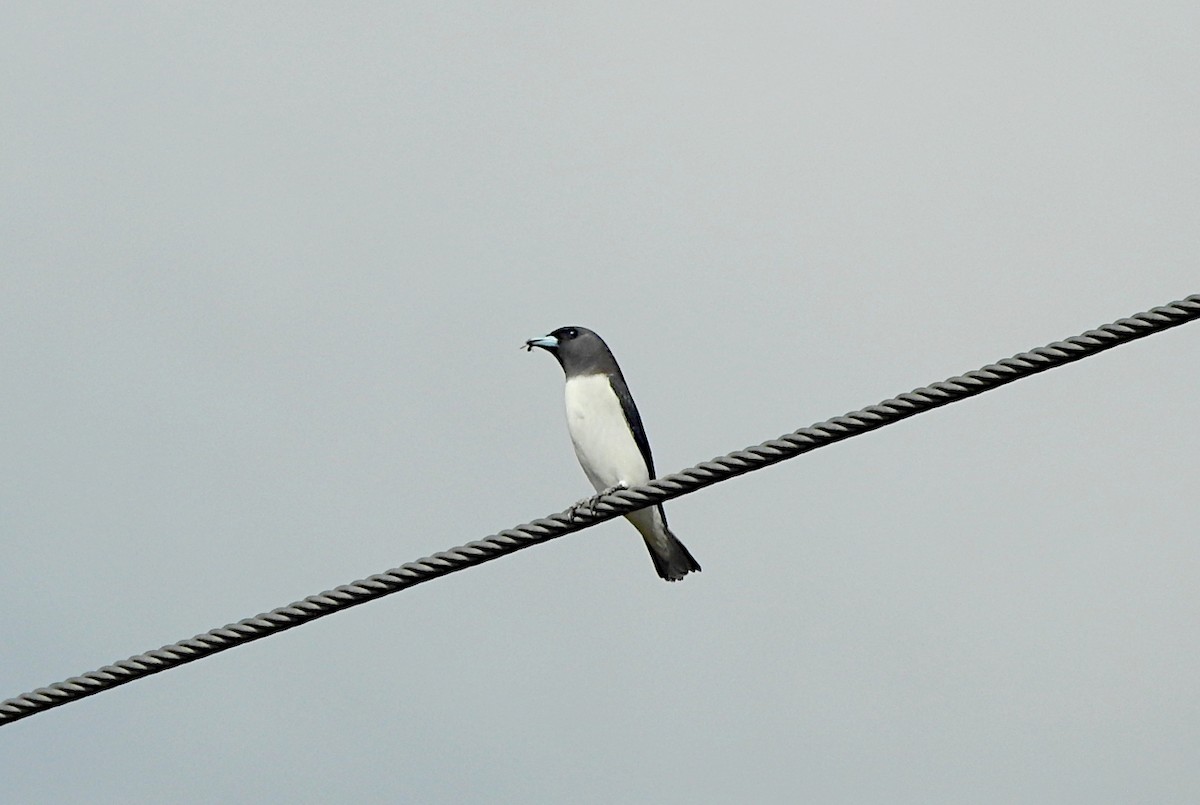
point(265, 269)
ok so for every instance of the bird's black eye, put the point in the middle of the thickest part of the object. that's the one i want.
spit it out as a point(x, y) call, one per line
point(571, 332)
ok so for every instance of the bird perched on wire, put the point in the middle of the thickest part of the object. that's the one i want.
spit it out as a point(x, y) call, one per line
point(608, 436)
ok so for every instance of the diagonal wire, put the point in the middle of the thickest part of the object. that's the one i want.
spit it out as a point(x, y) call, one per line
point(607, 507)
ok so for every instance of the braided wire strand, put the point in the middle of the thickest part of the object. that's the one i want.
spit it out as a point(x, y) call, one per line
point(606, 507)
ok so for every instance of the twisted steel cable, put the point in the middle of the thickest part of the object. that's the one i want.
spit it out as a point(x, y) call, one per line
point(606, 507)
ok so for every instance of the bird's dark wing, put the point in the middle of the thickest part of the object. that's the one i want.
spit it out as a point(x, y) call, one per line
point(617, 382)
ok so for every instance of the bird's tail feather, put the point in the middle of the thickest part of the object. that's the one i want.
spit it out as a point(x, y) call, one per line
point(673, 561)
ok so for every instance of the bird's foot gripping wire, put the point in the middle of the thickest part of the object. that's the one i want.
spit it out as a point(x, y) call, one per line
point(587, 506)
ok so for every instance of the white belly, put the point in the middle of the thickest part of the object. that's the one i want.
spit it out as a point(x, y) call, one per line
point(603, 442)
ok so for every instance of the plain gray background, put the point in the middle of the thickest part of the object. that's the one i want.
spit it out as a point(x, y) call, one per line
point(265, 272)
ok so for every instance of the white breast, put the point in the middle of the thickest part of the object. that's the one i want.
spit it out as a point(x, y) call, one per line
point(603, 442)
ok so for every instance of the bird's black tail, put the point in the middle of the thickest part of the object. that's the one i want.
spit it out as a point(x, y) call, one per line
point(673, 561)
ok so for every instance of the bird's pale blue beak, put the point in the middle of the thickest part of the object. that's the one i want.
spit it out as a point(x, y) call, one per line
point(545, 342)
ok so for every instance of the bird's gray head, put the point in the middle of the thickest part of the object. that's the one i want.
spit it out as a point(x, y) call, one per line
point(579, 351)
